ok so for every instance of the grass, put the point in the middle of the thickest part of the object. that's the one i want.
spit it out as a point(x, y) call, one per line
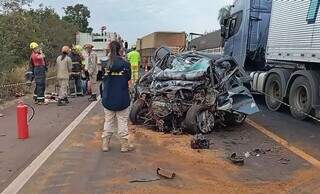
point(17, 75)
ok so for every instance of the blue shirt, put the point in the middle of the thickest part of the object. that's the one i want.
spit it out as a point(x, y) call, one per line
point(115, 94)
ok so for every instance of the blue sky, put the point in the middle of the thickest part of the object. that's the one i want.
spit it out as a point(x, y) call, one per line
point(136, 18)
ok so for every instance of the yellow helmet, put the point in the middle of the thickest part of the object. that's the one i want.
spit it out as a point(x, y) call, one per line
point(34, 45)
point(78, 48)
point(65, 49)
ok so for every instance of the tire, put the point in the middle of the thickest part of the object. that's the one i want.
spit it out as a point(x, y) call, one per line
point(191, 122)
point(275, 92)
point(235, 119)
point(136, 109)
point(300, 98)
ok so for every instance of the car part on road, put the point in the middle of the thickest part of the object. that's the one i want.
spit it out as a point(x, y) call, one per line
point(191, 92)
point(144, 180)
point(284, 160)
point(1, 115)
point(235, 159)
point(165, 173)
point(258, 152)
point(200, 142)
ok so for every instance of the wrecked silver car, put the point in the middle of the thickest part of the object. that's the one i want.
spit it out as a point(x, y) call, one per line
point(191, 92)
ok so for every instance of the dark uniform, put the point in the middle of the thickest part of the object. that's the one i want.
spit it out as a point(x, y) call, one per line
point(39, 68)
point(75, 77)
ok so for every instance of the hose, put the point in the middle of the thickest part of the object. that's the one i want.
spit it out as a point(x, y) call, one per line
point(33, 112)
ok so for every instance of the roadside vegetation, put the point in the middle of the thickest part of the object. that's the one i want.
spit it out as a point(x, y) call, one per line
point(21, 24)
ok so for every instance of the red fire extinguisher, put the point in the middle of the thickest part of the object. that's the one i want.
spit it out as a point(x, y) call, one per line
point(22, 120)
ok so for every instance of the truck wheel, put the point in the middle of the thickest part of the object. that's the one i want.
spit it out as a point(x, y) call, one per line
point(136, 111)
point(300, 98)
point(274, 90)
point(199, 120)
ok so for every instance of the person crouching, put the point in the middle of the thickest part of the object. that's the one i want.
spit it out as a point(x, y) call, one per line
point(64, 65)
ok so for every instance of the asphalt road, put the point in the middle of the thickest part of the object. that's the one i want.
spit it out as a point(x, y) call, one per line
point(303, 134)
point(78, 165)
point(49, 121)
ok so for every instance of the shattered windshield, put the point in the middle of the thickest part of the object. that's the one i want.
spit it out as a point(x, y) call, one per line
point(189, 65)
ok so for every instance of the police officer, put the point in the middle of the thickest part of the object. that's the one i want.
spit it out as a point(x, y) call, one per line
point(116, 99)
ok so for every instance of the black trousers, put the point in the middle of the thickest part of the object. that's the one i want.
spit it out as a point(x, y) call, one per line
point(40, 79)
point(75, 84)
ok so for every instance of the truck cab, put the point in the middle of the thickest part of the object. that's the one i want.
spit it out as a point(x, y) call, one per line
point(245, 33)
point(277, 43)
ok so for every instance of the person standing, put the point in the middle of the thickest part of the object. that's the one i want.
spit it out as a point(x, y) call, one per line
point(91, 66)
point(75, 77)
point(38, 67)
point(116, 99)
point(134, 59)
point(64, 67)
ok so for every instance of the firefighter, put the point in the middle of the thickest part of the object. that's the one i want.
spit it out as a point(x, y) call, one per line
point(38, 67)
point(134, 59)
point(64, 67)
point(91, 66)
point(116, 99)
point(75, 76)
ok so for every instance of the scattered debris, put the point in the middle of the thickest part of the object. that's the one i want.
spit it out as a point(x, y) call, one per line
point(247, 154)
point(284, 160)
point(165, 173)
point(1, 115)
point(161, 174)
point(51, 96)
point(144, 180)
point(200, 142)
point(19, 94)
point(3, 135)
point(238, 160)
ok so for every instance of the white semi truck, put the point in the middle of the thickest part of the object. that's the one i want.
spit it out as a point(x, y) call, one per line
point(98, 40)
point(278, 43)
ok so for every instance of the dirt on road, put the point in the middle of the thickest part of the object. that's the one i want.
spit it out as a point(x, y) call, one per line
point(79, 166)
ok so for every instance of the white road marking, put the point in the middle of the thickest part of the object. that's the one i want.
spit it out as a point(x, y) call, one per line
point(16, 185)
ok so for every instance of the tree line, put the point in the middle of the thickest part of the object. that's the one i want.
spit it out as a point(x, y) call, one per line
point(20, 25)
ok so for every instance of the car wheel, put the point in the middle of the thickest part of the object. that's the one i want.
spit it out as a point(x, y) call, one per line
point(137, 109)
point(199, 120)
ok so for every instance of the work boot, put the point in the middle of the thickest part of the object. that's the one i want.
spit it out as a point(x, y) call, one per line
point(66, 100)
point(93, 98)
point(106, 143)
point(61, 103)
point(125, 146)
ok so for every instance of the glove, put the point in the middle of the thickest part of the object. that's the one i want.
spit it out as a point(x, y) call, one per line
point(99, 76)
point(87, 75)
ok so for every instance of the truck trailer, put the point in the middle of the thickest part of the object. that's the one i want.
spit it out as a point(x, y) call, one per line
point(148, 44)
point(278, 43)
point(99, 41)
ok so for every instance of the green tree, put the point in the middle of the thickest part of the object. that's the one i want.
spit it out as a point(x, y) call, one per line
point(224, 13)
point(78, 15)
point(13, 5)
point(43, 25)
